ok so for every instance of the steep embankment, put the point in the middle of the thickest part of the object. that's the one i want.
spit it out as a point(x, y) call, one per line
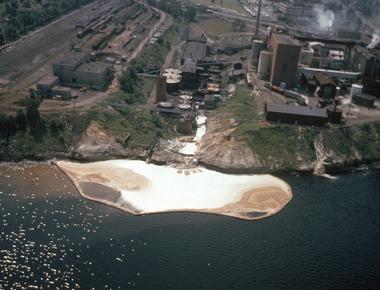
point(288, 148)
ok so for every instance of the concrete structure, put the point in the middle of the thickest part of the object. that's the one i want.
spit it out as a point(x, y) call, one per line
point(356, 89)
point(285, 55)
point(326, 87)
point(189, 74)
point(293, 9)
point(264, 66)
point(196, 45)
point(295, 114)
point(76, 70)
point(161, 89)
point(364, 100)
point(61, 92)
point(336, 59)
point(257, 47)
point(45, 85)
point(347, 75)
point(366, 61)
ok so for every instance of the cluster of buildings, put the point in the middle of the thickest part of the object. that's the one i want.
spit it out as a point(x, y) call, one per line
point(324, 70)
point(294, 9)
point(196, 84)
point(77, 70)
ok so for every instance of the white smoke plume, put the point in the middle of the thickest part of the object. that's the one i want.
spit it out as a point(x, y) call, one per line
point(375, 40)
point(325, 18)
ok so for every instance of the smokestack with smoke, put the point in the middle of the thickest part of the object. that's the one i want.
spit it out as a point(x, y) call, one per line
point(375, 40)
point(325, 18)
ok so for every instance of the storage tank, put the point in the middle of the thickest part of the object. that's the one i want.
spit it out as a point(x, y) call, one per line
point(173, 85)
point(263, 69)
point(173, 79)
point(356, 89)
point(257, 47)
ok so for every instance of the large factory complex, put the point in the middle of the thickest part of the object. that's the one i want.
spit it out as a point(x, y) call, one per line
point(320, 78)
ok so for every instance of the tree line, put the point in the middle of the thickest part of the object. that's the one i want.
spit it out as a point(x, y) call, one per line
point(17, 17)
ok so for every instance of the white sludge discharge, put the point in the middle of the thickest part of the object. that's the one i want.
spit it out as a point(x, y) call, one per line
point(141, 188)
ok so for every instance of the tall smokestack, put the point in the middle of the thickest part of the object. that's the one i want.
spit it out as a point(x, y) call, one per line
point(258, 18)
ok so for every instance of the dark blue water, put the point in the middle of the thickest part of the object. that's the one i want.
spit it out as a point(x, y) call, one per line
point(328, 237)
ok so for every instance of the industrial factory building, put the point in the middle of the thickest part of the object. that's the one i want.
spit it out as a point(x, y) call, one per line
point(77, 70)
point(293, 9)
point(363, 100)
point(195, 51)
point(285, 54)
point(295, 114)
point(325, 86)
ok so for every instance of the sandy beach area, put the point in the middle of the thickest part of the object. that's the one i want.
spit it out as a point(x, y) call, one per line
point(140, 188)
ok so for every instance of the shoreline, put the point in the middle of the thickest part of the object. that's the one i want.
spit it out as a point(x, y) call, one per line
point(335, 170)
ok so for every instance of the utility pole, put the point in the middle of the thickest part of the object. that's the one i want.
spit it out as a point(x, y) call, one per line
point(258, 18)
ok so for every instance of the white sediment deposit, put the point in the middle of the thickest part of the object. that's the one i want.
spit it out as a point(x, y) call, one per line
point(141, 188)
point(190, 148)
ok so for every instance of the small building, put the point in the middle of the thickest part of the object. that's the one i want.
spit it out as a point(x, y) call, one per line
point(45, 85)
point(364, 100)
point(61, 93)
point(77, 70)
point(336, 58)
point(236, 75)
point(295, 114)
point(95, 75)
point(326, 86)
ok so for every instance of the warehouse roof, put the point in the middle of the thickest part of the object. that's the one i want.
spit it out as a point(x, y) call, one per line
point(93, 67)
point(296, 110)
point(323, 79)
point(72, 58)
point(195, 50)
point(189, 66)
point(48, 80)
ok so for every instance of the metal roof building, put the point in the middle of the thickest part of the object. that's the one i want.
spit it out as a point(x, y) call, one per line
point(295, 114)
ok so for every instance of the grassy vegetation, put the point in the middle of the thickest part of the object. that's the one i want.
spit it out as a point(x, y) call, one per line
point(216, 26)
point(243, 108)
point(56, 133)
point(289, 146)
point(35, 136)
point(135, 89)
point(286, 146)
point(138, 122)
point(25, 15)
point(362, 140)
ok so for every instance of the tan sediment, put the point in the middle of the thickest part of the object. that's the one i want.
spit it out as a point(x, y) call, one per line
point(255, 203)
point(117, 178)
